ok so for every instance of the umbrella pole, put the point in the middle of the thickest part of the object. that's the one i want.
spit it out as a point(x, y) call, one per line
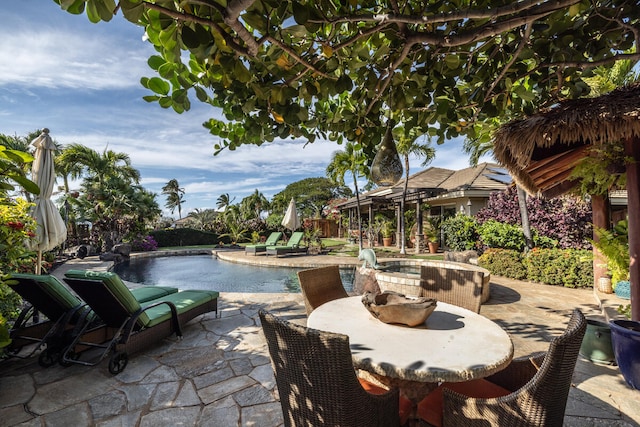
point(39, 263)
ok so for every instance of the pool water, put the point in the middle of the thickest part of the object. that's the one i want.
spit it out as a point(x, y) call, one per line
point(209, 273)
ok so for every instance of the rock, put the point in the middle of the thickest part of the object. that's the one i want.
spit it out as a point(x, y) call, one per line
point(122, 249)
point(467, 257)
point(365, 280)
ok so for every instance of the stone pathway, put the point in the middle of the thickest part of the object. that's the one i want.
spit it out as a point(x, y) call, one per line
point(220, 374)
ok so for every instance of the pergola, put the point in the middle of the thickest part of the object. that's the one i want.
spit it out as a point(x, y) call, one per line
point(542, 150)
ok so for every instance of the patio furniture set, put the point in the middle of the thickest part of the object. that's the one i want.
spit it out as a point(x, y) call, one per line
point(271, 247)
point(344, 368)
point(456, 369)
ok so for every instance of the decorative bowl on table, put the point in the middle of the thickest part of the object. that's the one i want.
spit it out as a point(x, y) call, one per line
point(393, 307)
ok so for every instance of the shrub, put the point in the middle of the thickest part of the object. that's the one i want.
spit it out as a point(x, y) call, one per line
point(460, 232)
point(496, 234)
point(566, 267)
point(566, 220)
point(144, 244)
point(186, 237)
point(504, 262)
point(16, 226)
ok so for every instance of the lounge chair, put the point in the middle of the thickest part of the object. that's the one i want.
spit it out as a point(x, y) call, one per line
point(272, 240)
point(292, 246)
point(52, 311)
point(130, 326)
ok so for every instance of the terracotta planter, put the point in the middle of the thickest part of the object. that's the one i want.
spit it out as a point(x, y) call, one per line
point(387, 241)
point(433, 247)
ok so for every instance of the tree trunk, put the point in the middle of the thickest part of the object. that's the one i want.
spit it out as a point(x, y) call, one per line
point(524, 215)
point(403, 250)
point(355, 184)
point(632, 150)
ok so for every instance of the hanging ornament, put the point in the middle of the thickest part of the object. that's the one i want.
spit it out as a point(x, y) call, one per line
point(386, 168)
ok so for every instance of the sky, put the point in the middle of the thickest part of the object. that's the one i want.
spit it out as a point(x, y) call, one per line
point(82, 81)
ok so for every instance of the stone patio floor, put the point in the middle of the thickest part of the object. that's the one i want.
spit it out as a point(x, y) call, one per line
point(220, 375)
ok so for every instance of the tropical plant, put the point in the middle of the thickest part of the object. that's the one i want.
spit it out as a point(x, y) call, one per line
point(224, 201)
point(351, 160)
point(614, 245)
point(174, 194)
point(110, 195)
point(460, 232)
point(566, 219)
point(408, 145)
point(308, 69)
point(254, 205)
point(312, 196)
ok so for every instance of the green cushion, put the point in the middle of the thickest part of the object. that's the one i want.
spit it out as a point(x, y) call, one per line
point(53, 287)
point(148, 293)
point(116, 286)
point(183, 301)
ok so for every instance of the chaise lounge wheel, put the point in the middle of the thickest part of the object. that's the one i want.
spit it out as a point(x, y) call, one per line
point(47, 358)
point(118, 362)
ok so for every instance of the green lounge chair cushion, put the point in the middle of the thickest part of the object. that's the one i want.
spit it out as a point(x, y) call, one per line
point(54, 288)
point(183, 301)
point(116, 286)
point(293, 242)
point(148, 293)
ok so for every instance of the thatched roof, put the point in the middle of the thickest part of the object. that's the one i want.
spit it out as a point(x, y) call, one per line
point(540, 151)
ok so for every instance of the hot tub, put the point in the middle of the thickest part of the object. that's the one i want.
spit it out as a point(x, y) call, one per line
point(403, 275)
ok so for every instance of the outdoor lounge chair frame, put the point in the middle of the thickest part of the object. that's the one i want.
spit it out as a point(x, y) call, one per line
point(289, 248)
point(120, 333)
point(50, 330)
point(272, 240)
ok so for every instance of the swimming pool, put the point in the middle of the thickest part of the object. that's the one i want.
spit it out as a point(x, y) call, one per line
point(209, 273)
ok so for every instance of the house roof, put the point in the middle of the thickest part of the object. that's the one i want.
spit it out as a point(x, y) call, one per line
point(434, 181)
point(542, 150)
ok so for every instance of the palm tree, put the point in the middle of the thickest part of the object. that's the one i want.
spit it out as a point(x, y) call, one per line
point(353, 160)
point(253, 205)
point(174, 195)
point(203, 218)
point(84, 161)
point(224, 201)
point(408, 145)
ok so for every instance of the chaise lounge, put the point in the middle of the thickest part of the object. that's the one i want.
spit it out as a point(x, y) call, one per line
point(129, 326)
point(272, 240)
point(292, 246)
point(51, 314)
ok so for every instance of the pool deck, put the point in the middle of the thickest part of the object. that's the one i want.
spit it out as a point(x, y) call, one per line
point(220, 375)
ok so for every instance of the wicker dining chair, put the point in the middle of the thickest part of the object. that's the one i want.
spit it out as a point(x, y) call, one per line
point(320, 285)
point(317, 382)
point(458, 287)
point(534, 389)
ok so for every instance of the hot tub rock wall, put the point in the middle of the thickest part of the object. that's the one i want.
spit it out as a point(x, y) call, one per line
point(409, 283)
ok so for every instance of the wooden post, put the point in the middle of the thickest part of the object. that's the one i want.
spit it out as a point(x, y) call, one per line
point(600, 219)
point(632, 150)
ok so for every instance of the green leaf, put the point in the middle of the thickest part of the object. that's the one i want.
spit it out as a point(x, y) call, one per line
point(241, 72)
point(27, 184)
point(201, 94)
point(300, 13)
point(132, 10)
point(159, 86)
point(190, 37)
point(155, 62)
point(452, 61)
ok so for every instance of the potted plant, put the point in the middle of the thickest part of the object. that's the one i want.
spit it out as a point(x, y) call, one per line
point(387, 232)
point(432, 234)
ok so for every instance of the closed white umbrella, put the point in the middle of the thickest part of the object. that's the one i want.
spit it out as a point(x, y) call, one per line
point(291, 220)
point(51, 230)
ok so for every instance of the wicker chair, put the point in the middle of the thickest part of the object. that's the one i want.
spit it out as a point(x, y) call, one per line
point(316, 380)
point(320, 285)
point(458, 287)
point(535, 389)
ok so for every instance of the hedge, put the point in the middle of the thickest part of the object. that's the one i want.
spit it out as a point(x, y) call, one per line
point(566, 267)
point(186, 237)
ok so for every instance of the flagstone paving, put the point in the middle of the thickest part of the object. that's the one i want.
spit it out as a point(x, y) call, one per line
point(220, 375)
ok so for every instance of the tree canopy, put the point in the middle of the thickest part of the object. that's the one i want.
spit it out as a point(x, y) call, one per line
point(324, 69)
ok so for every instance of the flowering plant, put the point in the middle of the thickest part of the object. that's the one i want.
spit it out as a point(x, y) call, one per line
point(16, 226)
point(144, 244)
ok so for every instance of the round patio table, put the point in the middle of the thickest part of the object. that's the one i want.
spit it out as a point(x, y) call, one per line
point(453, 344)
